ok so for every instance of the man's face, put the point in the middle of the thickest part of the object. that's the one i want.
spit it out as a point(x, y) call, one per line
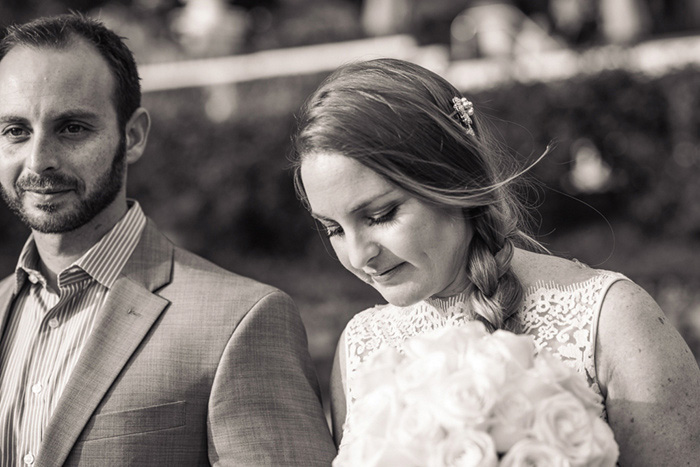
point(61, 150)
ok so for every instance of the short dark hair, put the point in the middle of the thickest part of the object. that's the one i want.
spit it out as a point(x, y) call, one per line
point(60, 31)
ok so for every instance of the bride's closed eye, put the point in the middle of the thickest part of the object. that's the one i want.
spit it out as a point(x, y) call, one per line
point(333, 230)
point(385, 217)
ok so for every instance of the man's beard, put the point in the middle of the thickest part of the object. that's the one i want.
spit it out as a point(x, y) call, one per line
point(107, 187)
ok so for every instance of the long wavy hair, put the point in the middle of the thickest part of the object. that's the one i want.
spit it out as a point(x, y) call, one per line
point(397, 118)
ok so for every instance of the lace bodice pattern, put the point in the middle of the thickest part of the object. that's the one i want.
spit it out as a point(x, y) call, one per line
point(562, 319)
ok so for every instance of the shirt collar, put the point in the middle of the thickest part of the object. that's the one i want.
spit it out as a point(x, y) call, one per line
point(103, 261)
point(28, 264)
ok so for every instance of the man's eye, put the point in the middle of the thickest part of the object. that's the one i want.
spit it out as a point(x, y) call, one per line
point(15, 132)
point(73, 128)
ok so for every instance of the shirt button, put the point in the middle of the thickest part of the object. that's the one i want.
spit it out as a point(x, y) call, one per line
point(53, 323)
point(29, 459)
point(36, 389)
point(33, 279)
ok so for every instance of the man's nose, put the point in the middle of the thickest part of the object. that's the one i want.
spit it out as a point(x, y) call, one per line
point(361, 251)
point(44, 154)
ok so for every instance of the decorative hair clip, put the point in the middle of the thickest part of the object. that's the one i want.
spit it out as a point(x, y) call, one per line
point(465, 110)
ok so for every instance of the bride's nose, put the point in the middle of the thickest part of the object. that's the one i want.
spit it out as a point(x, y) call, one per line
point(361, 250)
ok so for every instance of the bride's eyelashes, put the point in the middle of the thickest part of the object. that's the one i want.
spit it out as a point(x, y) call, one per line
point(333, 230)
point(386, 217)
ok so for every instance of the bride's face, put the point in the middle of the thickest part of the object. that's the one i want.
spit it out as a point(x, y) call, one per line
point(403, 247)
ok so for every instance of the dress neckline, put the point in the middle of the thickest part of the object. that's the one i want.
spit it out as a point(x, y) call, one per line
point(444, 304)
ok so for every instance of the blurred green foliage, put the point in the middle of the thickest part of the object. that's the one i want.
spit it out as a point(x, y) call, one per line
point(645, 130)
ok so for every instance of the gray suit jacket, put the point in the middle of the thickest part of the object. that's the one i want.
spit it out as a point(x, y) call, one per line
point(188, 364)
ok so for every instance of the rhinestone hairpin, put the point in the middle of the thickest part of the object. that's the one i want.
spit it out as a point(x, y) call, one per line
point(465, 110)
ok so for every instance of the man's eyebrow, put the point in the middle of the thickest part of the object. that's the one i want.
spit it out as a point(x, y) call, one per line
point(67, 115)
point(78, 113)
point(11, 119)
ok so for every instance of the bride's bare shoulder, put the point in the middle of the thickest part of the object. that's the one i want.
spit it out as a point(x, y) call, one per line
point(534, 269)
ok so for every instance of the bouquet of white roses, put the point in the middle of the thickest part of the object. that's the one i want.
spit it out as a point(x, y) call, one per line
point(461, 396)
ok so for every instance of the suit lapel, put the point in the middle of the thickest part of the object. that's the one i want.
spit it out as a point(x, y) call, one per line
point(128, 314)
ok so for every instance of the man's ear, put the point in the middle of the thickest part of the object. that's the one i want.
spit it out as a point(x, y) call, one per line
point(137, 134)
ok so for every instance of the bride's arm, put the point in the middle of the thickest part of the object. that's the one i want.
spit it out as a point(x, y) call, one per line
point(651, 381)
point(337, 387)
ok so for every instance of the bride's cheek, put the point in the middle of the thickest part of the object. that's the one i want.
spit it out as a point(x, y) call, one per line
point(342, 256)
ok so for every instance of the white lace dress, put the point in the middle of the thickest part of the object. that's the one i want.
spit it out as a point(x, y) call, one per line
point(562, 319)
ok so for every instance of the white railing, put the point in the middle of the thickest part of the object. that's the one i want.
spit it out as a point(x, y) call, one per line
point(271, 63)
point(654, 57)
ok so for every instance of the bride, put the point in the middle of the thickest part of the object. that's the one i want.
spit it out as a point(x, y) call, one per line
point(397, 167)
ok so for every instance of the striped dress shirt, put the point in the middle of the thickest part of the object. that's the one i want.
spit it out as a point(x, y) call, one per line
point(46, 332)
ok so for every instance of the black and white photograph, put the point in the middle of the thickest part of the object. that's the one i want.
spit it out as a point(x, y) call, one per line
point(350, 233)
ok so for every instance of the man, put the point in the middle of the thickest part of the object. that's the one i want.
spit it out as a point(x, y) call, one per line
point(117, 347)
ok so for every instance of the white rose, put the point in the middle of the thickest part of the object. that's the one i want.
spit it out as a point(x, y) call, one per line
point(555, 371)
point(606, 450)
point(374, 413)
point(487, 362)
point(563, 422)
point(463, 399)
point(535, 453)
point(466, 336)
point(421, 371)
point(417, 429)
point(464, 448)
point(462, 335)
point(369, 451)
point(512, 418)
point(449, 340)
point(514, 413)
point(375, 371)
point(534, 386)
point(517, 350)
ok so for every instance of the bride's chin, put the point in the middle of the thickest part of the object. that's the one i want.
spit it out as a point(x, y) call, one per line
point(400, 299)
point(401, 294)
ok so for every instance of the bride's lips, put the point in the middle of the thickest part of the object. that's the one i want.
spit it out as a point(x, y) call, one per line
point(387, 275)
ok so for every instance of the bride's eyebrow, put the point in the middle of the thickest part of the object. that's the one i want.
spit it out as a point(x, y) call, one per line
point(362, 205)
point(321, 218)
point(358, 207)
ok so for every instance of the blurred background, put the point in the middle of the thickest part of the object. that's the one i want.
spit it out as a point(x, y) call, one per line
point(612, 85)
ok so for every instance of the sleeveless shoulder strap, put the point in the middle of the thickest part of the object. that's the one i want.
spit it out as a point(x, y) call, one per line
point(563, 319)
point(609, 278)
